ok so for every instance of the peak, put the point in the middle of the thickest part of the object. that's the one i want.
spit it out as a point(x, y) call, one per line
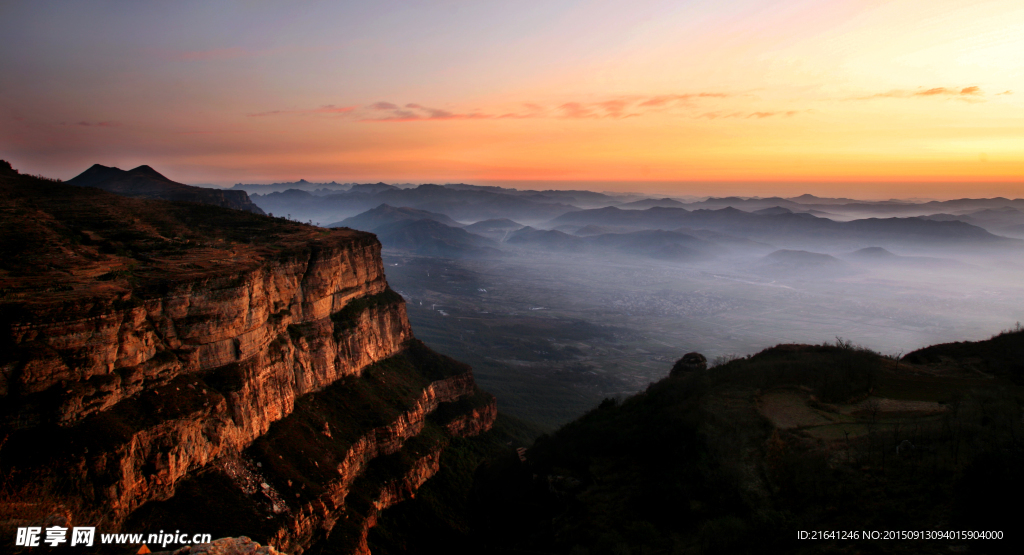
point(95, 174)
point(147, 171)
point(873, 252)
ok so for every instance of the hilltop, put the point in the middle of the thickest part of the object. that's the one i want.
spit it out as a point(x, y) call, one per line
point(145, 182)
point(65, 242)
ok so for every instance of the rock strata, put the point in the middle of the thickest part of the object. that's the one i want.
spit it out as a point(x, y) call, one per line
point(188, 354)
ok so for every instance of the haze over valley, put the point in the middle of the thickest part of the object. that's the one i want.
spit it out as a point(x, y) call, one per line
point(562, 298)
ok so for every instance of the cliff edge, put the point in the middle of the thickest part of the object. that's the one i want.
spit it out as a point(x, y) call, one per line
point(153, 352)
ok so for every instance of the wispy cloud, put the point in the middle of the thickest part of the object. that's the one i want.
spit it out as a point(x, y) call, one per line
point(621, 107)
point(668, 99)
point(576, 110)
point(762, 115)
point(386, 111)
point(972, 93)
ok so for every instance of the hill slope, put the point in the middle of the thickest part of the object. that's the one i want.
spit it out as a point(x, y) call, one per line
point(385, 214)
point(145, 182)
point(740, 457)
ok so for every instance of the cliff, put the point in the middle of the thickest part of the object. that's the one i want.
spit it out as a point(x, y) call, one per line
point(145, 182)
point(172, 350)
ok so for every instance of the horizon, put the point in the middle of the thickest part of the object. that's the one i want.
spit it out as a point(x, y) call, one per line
point(748, 97)
point(683, 189)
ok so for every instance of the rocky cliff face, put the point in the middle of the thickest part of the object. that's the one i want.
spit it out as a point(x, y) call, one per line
point(282, 371)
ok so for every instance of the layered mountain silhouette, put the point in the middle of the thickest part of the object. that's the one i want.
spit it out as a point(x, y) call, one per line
point(145, 182)
point(788, 227)
point(879, 257)
point(497, 229)
point(659, 244)
point(530, 237)
point(464, 204)
point(433, 238)
point(300, 185)
point(421, 232)
point(651, 203)
point(385, 214)
point(872, 253)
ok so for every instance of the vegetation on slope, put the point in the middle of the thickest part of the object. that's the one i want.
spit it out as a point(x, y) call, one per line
point(59, 242)
point(742, 456)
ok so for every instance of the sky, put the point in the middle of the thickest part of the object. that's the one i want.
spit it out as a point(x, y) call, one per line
point(865, 98)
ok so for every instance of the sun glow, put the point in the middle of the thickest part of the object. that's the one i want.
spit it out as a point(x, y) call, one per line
point(746, 90)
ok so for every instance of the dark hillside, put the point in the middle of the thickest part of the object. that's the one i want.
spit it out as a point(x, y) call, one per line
point(1002, 356)
point(145, 182)
point(68, 242)
point(740, 457)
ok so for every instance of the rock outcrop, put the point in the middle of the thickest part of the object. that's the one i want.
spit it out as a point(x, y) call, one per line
point(252, 360)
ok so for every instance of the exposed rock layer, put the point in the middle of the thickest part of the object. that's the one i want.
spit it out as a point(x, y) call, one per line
point(190, 362)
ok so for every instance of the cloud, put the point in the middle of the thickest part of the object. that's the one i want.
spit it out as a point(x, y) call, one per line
point(614, 108)
point(621, 107)
point(576, 110)
point(415, 112)
point(762, 115)
point(658, 101)
point(965, 93)
point(1004, 92)
point(532, 111)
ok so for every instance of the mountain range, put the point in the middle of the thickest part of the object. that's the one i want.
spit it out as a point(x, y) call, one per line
point(790, 228)
point(469, 205)
point(145, 182)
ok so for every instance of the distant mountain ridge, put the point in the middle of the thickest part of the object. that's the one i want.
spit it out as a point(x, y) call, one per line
point(301, 185)
point(432, 238)
point(659, 244)
point(145, 182)
point(386, 214)
point(468, 204)
point(780, 226)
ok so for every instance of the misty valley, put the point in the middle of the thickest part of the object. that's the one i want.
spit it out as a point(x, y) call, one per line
point(597, 301)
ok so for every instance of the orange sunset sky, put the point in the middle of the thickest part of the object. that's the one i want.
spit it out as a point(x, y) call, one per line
point(863, 98)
